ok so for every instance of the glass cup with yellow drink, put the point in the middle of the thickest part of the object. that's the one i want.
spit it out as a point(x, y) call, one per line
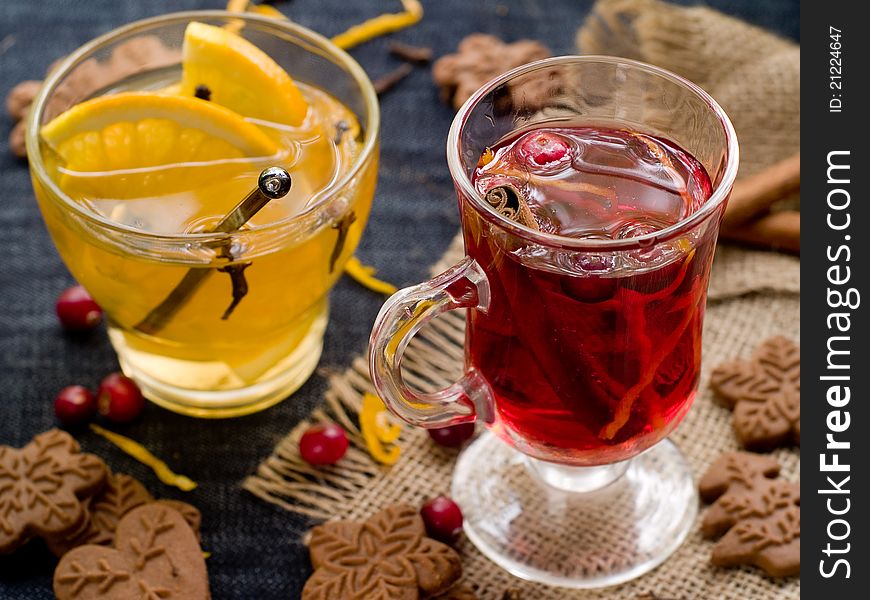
point(150, 152)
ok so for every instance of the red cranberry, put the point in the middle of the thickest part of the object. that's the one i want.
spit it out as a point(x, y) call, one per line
point(443, 518)
point(119, 398)
point(77, 311)
point(543, 148)
point(452, 436)
point(74, 405)
point(323, 444)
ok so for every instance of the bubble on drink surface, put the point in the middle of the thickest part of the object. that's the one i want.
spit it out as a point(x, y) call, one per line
point(634, 229)
point(651, 252)
point(662, 253)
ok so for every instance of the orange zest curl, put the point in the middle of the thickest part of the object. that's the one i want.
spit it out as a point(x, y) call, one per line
point(379, 433)
point(144, 456)
point(354, 36)
point(380, 25)
point(364, 275)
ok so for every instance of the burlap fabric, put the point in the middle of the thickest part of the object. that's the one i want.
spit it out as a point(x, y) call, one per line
point(752, 295)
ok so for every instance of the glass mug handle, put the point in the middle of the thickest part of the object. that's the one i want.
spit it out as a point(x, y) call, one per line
point(463, 285)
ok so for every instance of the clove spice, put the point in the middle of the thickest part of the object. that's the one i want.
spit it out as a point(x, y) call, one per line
point(202, 92)
point(272, 184)
point(388, 81)
point(343, 228)
point(341, 128)
point(420, 55)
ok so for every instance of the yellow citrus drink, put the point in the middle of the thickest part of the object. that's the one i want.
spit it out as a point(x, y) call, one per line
point(152, 163)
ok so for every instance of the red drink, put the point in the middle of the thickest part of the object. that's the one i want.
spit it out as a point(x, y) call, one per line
point(592, 356)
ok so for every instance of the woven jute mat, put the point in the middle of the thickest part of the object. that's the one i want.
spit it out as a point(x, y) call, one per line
point(752, 295)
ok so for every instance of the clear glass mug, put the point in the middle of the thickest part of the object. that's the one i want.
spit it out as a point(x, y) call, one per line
point(577, 373)
point(198, 363)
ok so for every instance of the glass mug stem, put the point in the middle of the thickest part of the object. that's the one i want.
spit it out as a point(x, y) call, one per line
point(462, 286)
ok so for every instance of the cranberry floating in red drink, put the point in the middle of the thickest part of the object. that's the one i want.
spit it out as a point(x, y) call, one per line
point(590, 191)
point(591, 357)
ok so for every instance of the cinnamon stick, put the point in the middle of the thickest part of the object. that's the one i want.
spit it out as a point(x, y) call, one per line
point(777, 230)
point(509, 202)
point(753, 196)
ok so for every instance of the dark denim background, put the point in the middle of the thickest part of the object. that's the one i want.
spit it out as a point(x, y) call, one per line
point(255, 548)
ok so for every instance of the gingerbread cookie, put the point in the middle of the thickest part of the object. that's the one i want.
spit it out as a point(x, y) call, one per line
point(757, 515)
point(481, 57)
point(121, 494)
point(155, 555)
point(765, 394)
point(387, 557)
point(190, 513)
point(42, 488)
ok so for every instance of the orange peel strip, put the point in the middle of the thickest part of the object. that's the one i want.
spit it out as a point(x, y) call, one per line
point(380, 25)
point(144, 456)
point(377, 431)
point(267, 10)
point(238, 5)
point(364, 275)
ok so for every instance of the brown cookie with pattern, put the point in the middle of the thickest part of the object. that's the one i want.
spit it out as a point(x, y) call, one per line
point(765, 394)
point(20, 98)
point(121, 494)
point(387, 557)
point(190, 513)
point(757, 515)
point(155, 555)
point(481, 57)
point(43, 486)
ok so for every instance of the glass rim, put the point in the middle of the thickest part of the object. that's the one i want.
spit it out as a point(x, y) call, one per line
point(461, 179)
point(344, 60)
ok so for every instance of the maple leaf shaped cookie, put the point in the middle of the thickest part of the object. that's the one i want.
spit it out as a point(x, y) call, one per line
point(120, 495)
point(42, 487)
point(765, 394)
point(387, 557)
point(104, 511)
point(757, 515)
point(481, 57)
point(156, 556)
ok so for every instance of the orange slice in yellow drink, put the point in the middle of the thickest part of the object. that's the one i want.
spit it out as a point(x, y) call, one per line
point(238, 75)
point(138, 144)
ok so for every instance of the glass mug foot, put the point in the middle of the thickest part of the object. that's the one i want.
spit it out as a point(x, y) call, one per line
point(536, 525)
